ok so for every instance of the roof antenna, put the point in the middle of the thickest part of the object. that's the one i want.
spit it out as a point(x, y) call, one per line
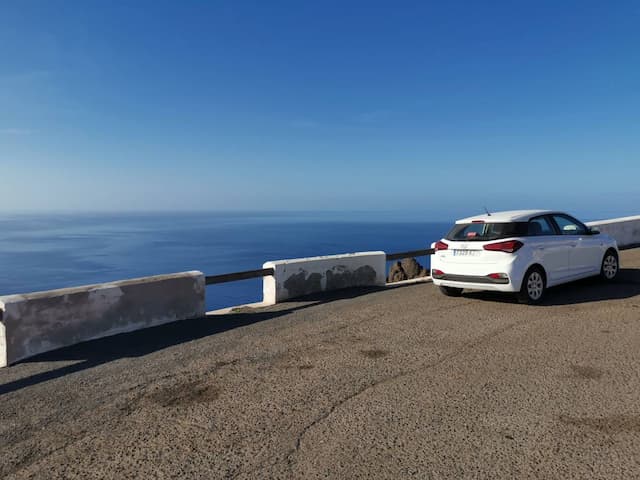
point(486, 210)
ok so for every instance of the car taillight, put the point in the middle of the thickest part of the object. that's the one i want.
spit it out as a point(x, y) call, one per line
point(510, 246)
point(498, 276)
point(441, 246)
point(437, 273)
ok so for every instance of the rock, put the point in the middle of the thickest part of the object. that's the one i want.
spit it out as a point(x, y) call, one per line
point(406, 270)
point(396, 273)
point(411, 268)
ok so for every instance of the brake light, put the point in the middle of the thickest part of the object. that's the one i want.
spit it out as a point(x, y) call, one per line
point(498, 276)
point(510, 246)
point(437, 273)
point(441, 246)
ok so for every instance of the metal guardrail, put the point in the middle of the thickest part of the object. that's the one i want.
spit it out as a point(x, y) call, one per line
point(411, 253)
point(265, 272)
point(232, 277)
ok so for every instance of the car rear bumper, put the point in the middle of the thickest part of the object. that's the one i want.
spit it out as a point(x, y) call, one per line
point(473, 284)
point(503, 273)
point(471, 279)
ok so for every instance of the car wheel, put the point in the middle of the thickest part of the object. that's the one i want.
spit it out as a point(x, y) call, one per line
point(533, 286)
point(610, 266)
point(451, 291)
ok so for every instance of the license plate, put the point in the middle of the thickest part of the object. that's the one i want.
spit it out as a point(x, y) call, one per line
point(466, 253)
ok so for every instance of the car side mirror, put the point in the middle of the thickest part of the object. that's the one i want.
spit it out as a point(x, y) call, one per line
point(593, 231)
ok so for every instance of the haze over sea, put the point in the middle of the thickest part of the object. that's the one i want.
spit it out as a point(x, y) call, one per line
point(48, 251)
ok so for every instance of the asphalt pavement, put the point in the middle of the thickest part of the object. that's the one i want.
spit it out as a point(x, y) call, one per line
point(391, 383)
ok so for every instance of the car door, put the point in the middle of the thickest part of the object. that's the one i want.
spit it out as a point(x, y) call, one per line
point(549, 248)
point(584, 249)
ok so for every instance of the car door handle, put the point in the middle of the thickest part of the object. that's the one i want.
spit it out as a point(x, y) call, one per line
point(540, 248)
point(573, 245)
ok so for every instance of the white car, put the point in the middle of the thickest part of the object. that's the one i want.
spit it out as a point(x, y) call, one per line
point(522, 251)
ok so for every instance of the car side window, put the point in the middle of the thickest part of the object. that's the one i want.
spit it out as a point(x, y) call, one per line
point(569, 226)
point(540, 226)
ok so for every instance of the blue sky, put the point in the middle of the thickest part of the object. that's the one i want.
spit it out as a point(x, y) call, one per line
point(429, 107)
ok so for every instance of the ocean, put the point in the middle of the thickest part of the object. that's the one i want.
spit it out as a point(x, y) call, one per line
point(48, 251)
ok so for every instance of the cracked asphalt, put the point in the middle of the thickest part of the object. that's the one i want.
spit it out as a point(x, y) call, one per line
point(394, 383)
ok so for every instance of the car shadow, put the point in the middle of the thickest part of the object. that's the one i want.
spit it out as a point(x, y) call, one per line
point(626, 285)
point(139, 343)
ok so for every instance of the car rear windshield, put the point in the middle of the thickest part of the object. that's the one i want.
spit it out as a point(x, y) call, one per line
point(482, 232)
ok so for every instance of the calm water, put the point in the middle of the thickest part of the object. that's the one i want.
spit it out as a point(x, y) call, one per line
point(42, 252)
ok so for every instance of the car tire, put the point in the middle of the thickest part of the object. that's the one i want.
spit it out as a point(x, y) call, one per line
point(534, 284)
point(451, 291)
point(610, 266)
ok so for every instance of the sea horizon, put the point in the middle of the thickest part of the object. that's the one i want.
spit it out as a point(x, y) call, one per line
point(45, 251)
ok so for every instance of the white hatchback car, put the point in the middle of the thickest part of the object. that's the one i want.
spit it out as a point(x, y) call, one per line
point(522, 251)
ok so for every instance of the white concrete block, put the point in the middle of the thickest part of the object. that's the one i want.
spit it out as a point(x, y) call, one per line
point(34, 323)
point(303, 276)
point(626, 231)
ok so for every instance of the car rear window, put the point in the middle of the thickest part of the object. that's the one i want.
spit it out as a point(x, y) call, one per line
point(482, 232)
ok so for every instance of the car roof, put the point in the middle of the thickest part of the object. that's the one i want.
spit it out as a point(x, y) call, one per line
point(505, 217)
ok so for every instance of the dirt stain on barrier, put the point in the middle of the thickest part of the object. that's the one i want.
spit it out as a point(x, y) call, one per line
point(300, 284)
point(609, 424)
point(341, 277)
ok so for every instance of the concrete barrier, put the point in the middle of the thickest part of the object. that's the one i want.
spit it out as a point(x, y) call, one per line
point(626, 230)
point(302, 276)
point(38, 322)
